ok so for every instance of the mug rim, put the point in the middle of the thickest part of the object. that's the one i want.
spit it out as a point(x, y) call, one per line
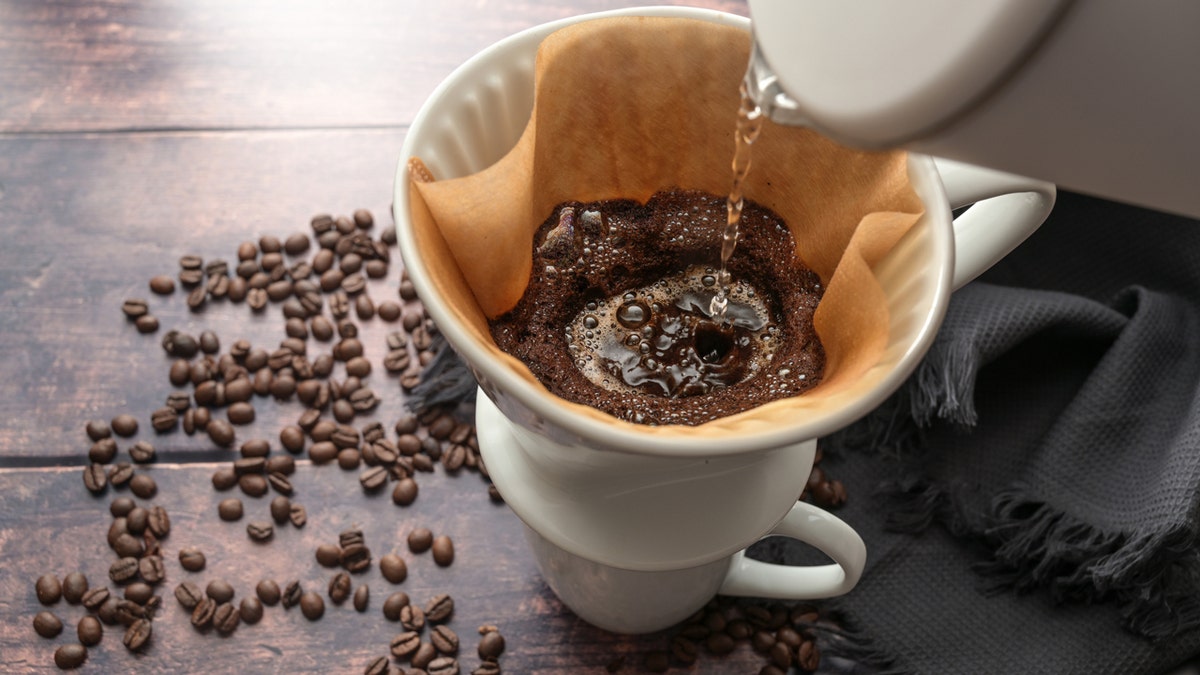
point(629, 438)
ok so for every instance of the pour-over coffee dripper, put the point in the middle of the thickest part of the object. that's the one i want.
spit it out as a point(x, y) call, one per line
point(634, 527)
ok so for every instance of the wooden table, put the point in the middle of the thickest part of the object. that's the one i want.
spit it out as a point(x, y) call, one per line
point(132, 133)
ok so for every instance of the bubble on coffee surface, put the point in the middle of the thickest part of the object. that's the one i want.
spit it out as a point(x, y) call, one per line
point(661, 338)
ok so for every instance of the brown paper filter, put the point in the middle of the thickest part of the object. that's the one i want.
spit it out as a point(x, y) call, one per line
point(628, 106)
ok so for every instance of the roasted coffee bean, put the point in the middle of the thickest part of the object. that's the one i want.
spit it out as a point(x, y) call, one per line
point(254, 484)
point(107, 612)
point(781, 656)
point(412, 617)
point(409, 381)
point(444, 639)
point(443, 550)
point(280, 483)
point(178, 402)
point(93, 598)
point(143, 486)
point(454, 458)
point(134, 307)
point(719, 644)
point(128, 546)
point(364, 307)
point(197, 297)
point(238, 288)
point(393, 568)
point(355, 557)
point(348, 459)
point(260, 531)
point(202, 613)
point(47, 625)
point(241, 413)
point(226, 618)
point(121, 506)
point(151, 544)
point(420, 540)
point(48, 589)
point(282, 387)
point(312, 606)
point(239, 390)
point(120, 474)
point(98, 430)
point(373, 479)
point(224, 478)
point(491, 646)
point(394, 605)
point(249, 465)
point(230, 509)
point(162, 285)
point(143, 452)
point(220, 432)
point(268, 591)
point(329, 555)
point(124, 425)
point(147, 323)
point(439, 608)
point(405, 644)
point(219, 590)
point(388, 310)
point(487, 668)
point(343, 411)
point(808, 656)
point(292, 593)
point(362, 598)
point(424, 656)
point(256, 298)
point(443, 665)
point(251, 610)
point(298, 515)
point(281, 508)
point(102, 451)
point(89, 631)
point(127, 612)
point(70, 656)
point(74, 586)
point(339, 588)
point(292, 438)
point(188, 594)
point(137, 520)
point(123, 570)
point(151, 568)
point(344, 436)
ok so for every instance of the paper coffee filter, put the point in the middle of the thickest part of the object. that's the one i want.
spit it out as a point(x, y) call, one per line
point(625, 107)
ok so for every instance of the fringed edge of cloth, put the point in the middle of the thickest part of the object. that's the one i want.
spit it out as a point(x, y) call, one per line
point(446, 381)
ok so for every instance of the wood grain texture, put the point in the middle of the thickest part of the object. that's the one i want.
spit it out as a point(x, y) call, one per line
point(52, 525)
point(106, 65)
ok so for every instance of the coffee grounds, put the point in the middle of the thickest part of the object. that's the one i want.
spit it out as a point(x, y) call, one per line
point(580, 260)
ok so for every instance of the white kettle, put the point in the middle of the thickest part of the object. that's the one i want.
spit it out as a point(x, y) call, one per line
point(1099, 96)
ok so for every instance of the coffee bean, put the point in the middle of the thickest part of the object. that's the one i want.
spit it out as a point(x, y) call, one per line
point(226, 618)
point(93, 598)
point(362, 597)
point(224, 478)
point(364, 307)
point(423, 657)
point(219, 590)
point(781, 656)
point(47, 625)
point(328, 555)
point(48, 588)
point(70, 656)
point(197, 297)
point(74, 586)
point(394, 605)
point(102, 451)
point(151, 568)
point(220, 432)
point(719, 644)
point(488, 668)
point(439, 608)
point(137, 520)
point(393, 568)
point(312, 606)
point(443, 551)
point(143, 452)
point(89, 631)
point(240, 413)
point(251, 610)
point(120, 474)
point(268, 591)
point(202, 613)
point(143, 485)
point(124, 569)
point(355, 557)
point(188, 594)
point(491, 646)
point(420, 540)
point(444, 640)
point(254, 484)
point(94, 478)
point(162, 285)
point(280, 483)
point(339, 588)
point(139, 592)
point(412, 617)
point(373, 479)
point(230, 509)
point(408, 381)
point(348, 459)
point(443, 665)
point(128, 546)
point(260, 531)
point(298, 515)
point(405, 644)
point(146, 324)
point(388, 310)
point(292, 593)
point(343, 411)
point(134, 307)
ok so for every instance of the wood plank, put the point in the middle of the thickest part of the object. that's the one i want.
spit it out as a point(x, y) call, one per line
point(89, 220)
point(52, 525)
point(104, 65)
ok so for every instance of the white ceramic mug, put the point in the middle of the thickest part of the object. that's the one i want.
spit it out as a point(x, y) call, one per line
point(616, 512)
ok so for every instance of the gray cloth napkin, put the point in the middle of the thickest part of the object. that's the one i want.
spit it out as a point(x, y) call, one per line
point(1030, 499)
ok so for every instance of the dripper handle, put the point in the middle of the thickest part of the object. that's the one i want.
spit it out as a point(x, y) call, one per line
point(1005, 210)
point(813, 526)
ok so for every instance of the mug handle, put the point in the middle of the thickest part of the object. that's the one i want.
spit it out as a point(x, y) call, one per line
point(813, 526)
point(1006, 209)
